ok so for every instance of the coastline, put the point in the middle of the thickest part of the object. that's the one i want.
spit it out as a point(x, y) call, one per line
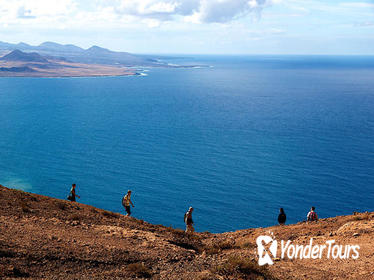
point(70, 76)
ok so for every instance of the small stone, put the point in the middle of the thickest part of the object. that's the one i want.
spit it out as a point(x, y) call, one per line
point(356, 234)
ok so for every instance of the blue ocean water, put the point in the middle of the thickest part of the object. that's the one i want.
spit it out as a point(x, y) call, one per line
point(236, 141)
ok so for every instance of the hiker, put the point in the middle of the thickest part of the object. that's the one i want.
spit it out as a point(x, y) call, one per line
point(282, 217)
point(188, 221)
point(312, 216)
point(126, 201)
point(72, 194)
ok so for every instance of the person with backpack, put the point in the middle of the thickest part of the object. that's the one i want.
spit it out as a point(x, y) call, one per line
point(312, 216)
point(126, 201)
point(188, 221)
point(72, 194)
point(282, 217)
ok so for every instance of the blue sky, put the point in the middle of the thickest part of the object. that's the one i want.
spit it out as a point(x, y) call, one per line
point(195, 26)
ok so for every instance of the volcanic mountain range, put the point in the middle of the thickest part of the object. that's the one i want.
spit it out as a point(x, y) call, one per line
point(54, 60)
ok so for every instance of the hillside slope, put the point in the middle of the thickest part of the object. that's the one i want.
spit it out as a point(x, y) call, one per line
point(47, 238)
point(92, 55)
point(23, 64)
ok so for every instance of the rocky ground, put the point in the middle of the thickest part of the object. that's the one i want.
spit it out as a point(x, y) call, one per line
point(47, 238)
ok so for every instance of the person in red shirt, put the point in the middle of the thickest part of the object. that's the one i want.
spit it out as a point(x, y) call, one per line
point(312, 216)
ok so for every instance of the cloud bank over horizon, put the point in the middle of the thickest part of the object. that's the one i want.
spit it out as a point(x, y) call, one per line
point(73, 11)
point(194, 26)
point(196, 11)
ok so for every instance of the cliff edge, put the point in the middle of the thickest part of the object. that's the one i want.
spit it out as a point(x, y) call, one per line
point(48, 238)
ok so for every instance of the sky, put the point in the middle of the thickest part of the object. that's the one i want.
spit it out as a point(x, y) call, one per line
point(195, 26)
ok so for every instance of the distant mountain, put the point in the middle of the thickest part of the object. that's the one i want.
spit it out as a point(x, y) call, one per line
point(98, 50)
point(4, 45)
point(92, 55)
point(23, 45)
point(19, 63)
point(21, 69)
point(18, 55)
point(59, 48)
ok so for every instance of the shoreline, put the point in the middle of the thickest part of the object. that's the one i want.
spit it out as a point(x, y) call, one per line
point(70, 76)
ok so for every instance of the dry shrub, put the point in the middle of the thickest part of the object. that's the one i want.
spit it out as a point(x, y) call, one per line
point(25, 207)
point(110, 214)
point(61, 205)
point(76, 217)
point(237, 265)
point(140, 270)
point(215, 248)
point(185, 240)
point(247, 245)
point(207, 276)
point(360, 217)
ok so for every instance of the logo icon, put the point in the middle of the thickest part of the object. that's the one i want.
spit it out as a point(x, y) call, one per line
point(266, 246)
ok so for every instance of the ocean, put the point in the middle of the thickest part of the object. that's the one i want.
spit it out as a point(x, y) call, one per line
point(236, 140)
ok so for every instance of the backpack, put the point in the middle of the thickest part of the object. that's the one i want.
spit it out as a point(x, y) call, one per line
point(313, 216)
point(70, 197)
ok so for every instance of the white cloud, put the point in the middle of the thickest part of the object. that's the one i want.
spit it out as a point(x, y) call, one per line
point(358, 5)
point(18, 11)
point(124, 13)
point(193, 10)
point(23, 13)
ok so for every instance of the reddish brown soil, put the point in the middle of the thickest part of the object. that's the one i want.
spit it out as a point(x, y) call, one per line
point(47, 238)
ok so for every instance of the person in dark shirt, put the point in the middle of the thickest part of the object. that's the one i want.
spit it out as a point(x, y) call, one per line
point(282, 217)
point(188, 221)
point(72, 194)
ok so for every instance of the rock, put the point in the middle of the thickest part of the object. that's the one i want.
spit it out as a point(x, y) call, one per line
point(356, 234)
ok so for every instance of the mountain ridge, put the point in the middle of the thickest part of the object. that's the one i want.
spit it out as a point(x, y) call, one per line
point(94, 54)
point(31, 64)
point(18, 55)
point(48, 238)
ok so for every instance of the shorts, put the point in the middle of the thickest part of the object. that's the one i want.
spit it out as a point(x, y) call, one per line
point(128, 209)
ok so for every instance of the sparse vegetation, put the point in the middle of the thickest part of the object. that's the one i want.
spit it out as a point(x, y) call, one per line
point(61, 205)
point(239, 265)
point(110, 214)
point(247, 245)
point(76, 217)
point(140, 270)
point(215, 248)
point(360, 216)
point(127, 248)
point(25, 207)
